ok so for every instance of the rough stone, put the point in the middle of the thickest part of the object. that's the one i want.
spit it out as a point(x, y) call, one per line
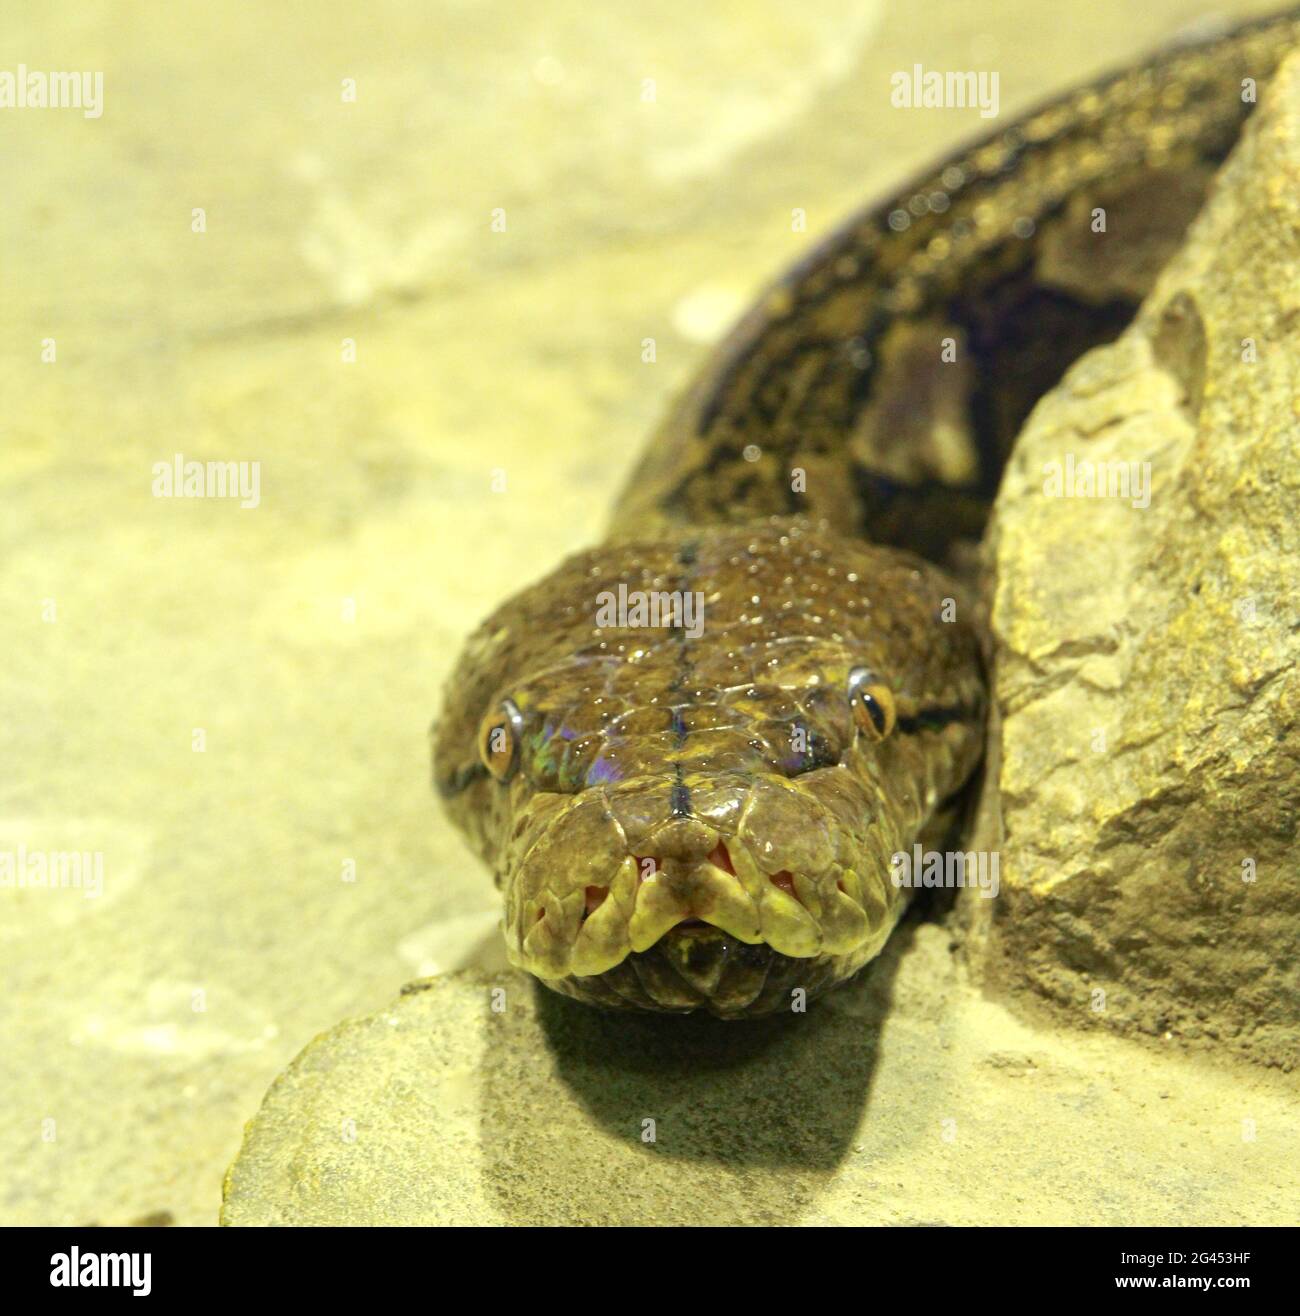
point(1147, 645)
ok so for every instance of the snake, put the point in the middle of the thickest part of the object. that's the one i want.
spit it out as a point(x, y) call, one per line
point(693, 753)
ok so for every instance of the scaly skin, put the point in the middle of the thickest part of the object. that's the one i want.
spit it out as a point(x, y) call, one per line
point(647, 743)
point(699, 820)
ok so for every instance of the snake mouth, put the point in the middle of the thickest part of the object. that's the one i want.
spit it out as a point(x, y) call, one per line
point(674, 899)
point(718, 858)
point(701, 969)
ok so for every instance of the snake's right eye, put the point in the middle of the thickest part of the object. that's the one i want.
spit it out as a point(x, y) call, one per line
point(873, 703)
point(498, 741)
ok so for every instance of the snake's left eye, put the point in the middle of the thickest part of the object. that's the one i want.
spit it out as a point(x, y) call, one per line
point(873, 703)
point(498, 740)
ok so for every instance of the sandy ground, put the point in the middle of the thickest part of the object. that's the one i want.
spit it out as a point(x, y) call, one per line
point(239, 260)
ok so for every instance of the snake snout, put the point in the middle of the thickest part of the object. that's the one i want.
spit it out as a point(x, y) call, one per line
point(719, 857)
point(610, 879)
point(760, 888)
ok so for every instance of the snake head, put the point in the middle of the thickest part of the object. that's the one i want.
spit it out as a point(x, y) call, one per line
point(681, 822)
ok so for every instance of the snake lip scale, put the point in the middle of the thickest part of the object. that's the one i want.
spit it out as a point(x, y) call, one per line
point(703, 817)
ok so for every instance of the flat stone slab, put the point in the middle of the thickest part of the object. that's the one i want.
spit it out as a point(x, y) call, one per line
point(905, 1099)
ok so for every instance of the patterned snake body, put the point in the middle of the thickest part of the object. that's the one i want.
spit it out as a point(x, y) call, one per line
point(704, 816)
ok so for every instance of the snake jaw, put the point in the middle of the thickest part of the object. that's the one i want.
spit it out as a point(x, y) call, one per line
point(660, 907)
point(605, 937)
point(637, 912)
point(800, 916)
point(777, 885)
point(792, 874)
point(724, 903)
point(785, 925)
point(698, 892)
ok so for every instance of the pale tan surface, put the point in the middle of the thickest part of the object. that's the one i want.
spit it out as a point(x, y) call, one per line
point(904, 1098)
point(476, 350)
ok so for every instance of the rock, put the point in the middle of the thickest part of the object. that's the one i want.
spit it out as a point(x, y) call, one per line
point(1147, 645)
point(902, 1098)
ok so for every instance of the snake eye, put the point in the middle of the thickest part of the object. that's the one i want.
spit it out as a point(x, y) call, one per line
point(873, 703)
point(498, 741)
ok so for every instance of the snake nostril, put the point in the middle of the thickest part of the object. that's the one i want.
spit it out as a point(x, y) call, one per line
point(595, 898)
point(719, 857)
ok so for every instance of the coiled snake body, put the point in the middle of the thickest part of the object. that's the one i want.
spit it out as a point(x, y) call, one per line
point(704, 814)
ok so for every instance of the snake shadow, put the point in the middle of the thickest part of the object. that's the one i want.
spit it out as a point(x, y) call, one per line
point(748, 1119)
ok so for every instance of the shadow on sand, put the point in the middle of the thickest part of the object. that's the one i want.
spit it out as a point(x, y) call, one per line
point(750, 1118)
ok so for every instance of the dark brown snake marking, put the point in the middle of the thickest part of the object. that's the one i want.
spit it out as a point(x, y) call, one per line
point(689, 817)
